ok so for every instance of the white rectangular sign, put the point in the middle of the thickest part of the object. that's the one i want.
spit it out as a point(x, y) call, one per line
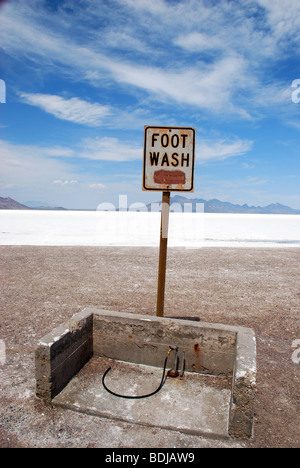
point(169, 156)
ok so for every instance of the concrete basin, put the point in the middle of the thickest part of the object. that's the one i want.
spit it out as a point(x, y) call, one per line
point(214, 397)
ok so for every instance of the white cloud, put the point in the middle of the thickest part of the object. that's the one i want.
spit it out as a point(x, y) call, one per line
point(82, 112)
point(74, 109)
point(209, 87)
point(93, 185)
point(221, 150)
point(97, 186)
point(109, 149)
point(65, 182)
point(29, 172)
point(32, 165)
point(215, 57)
point(283, 17)
point(113, 149)
point(197, 42)
point(229, 82)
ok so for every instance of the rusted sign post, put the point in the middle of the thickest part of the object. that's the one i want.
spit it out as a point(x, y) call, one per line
point(169, 156)
point(163, 244)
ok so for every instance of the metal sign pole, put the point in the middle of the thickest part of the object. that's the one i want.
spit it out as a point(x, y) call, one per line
point(163, 254)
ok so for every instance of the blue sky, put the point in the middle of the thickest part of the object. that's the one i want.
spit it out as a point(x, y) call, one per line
point(84, 77)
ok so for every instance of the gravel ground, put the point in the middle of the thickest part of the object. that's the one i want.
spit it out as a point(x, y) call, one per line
point(41, 287)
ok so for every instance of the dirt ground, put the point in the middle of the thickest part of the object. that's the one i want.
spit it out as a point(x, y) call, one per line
point(41, 287)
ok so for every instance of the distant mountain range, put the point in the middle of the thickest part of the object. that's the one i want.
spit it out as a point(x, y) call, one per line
point(11, 204)
point(210, 206)
point(216, 206)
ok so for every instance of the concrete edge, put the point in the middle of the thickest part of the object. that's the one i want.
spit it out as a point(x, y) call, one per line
point(62, 353)
point(244, 386)
point(154, 318)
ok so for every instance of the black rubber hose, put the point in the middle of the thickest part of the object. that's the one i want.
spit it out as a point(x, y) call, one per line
point(163, 380)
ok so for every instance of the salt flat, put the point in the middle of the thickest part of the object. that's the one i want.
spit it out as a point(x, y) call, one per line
point(104, 228)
